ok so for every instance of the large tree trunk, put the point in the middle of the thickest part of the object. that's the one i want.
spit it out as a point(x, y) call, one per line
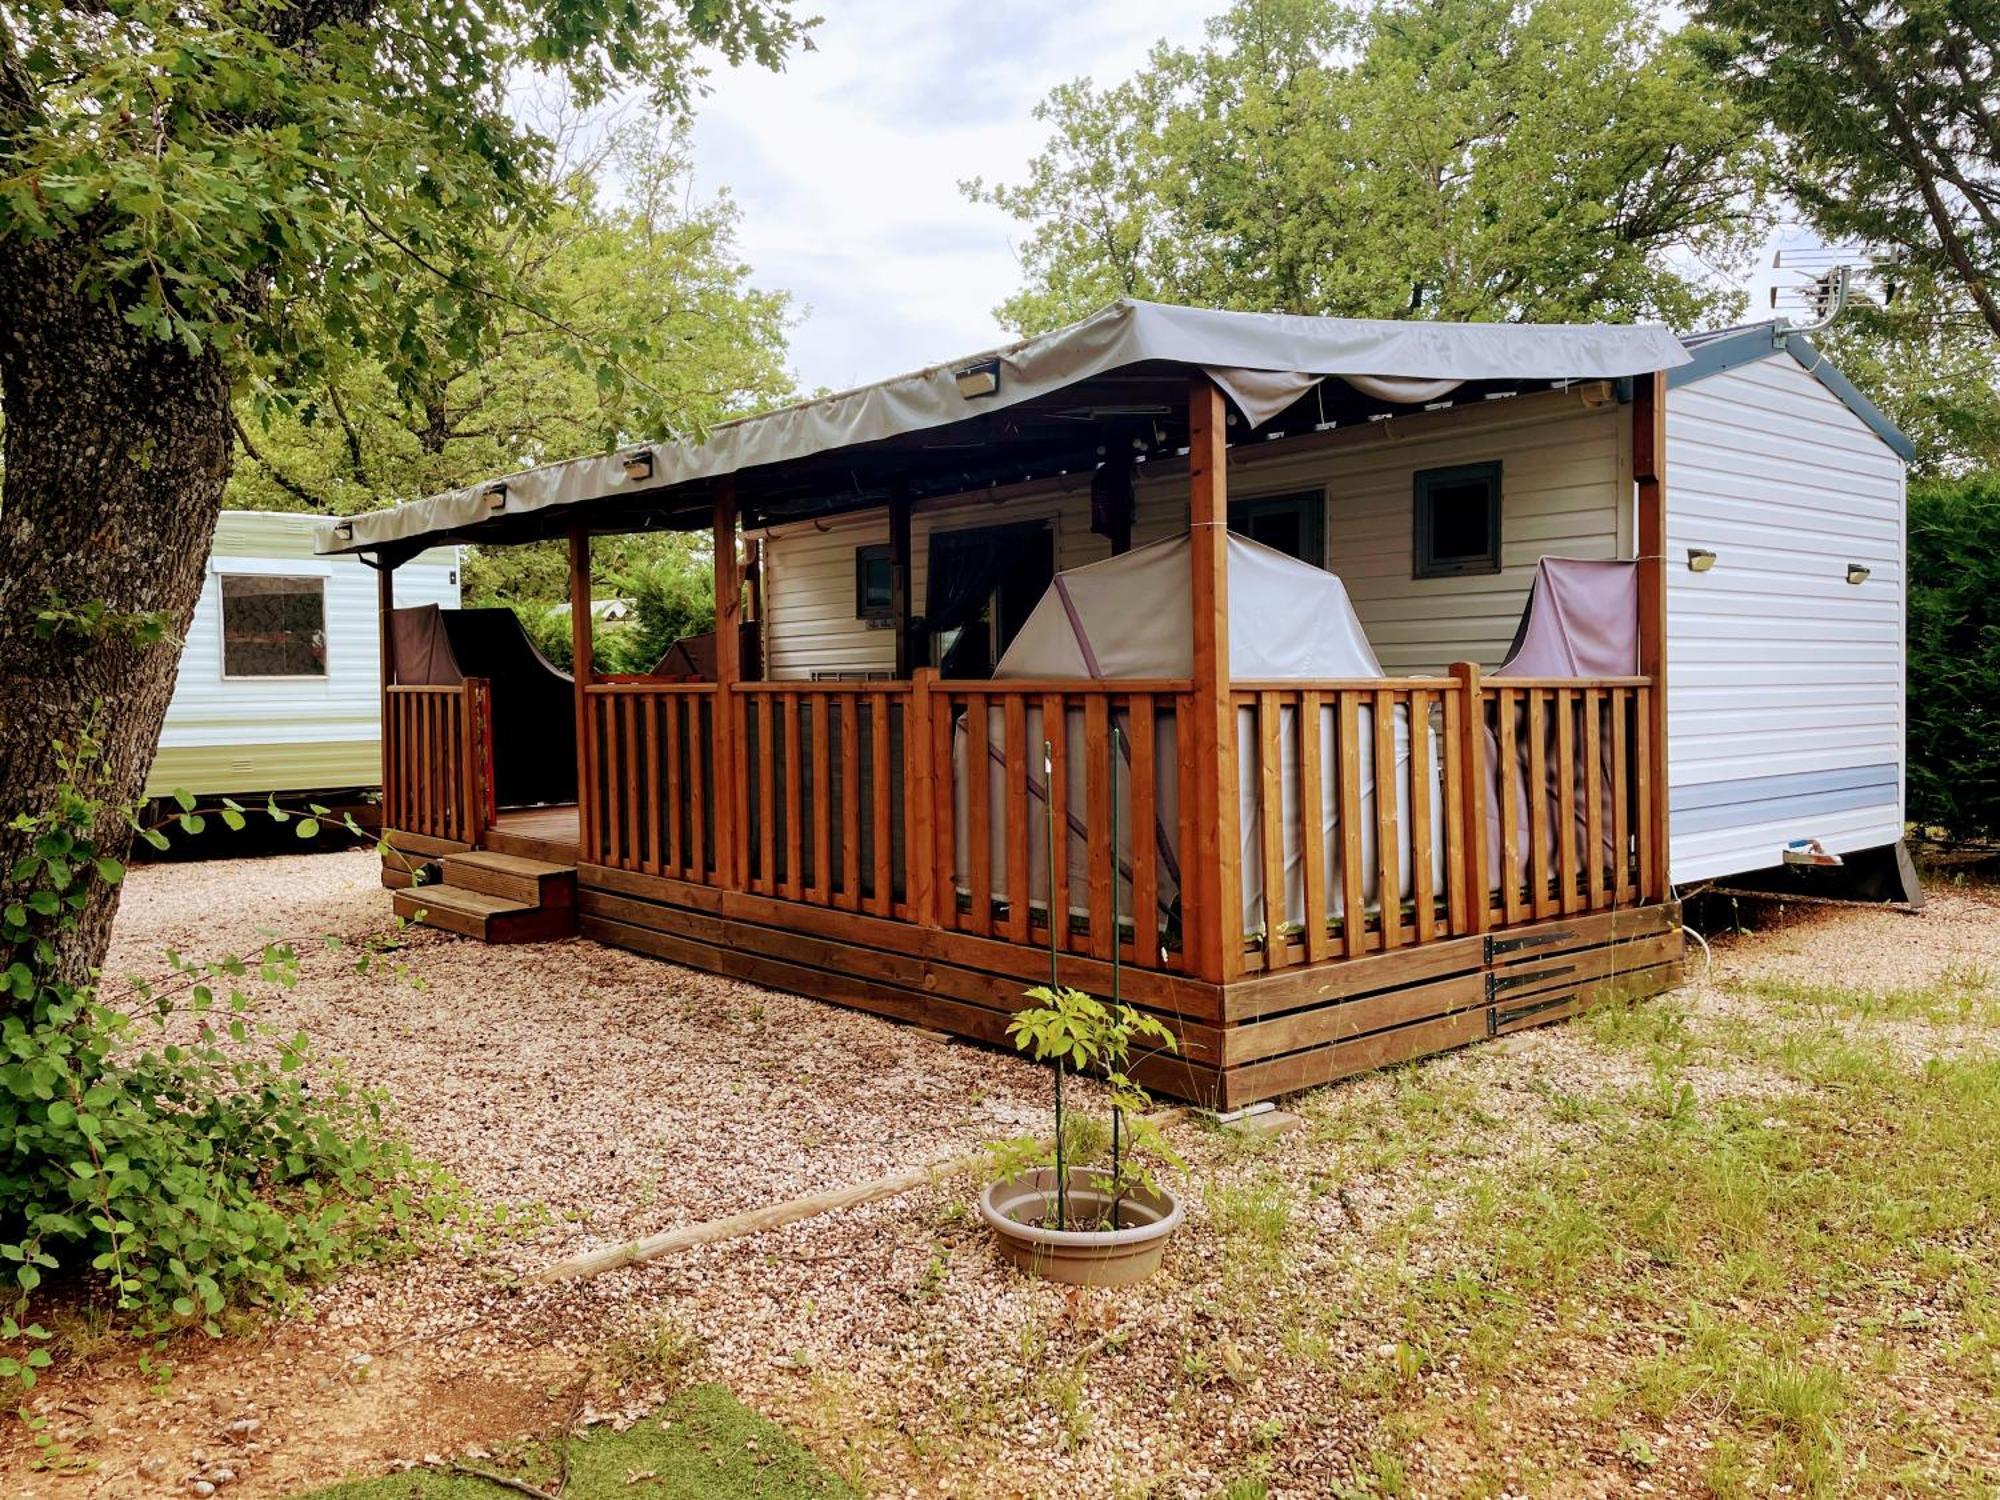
point(117, 448)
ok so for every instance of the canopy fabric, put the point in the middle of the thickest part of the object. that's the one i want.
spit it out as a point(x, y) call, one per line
point(1132, 616)
point(534, 703)
point(1232, 346)
point(1581, 620)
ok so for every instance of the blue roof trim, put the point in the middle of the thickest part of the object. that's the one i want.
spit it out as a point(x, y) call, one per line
point(1726, 350)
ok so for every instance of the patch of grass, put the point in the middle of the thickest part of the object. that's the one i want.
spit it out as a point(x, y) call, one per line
point(703, 1445)
point(1254, 1219)
point(1752, 1235)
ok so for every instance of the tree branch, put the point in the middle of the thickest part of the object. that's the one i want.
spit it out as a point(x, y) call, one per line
point(295, 490)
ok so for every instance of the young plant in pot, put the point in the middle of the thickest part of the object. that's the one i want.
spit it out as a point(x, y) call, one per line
point(1091, 1223)
point(1096, 1222)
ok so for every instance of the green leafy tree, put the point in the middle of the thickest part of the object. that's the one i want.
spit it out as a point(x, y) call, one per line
point(1936, 374)
point(654, 273)
point(1954, 664)
point(196, 193)
point(1888, 116)
point(1474, 159)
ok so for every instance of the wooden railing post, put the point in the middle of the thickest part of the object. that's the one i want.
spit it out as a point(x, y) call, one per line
point(728, 805)
point(1649, 475)
point(476, 772)
point(385, 608)
point(582, 670)
point(1214, 917)
point(1472, 797)
point(920, 802)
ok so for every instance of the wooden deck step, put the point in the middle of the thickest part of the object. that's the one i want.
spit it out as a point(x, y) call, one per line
point(482, 915)
point(528, 846)
point(533, 882)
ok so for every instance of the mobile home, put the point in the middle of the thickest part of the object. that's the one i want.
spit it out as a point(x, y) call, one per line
point(1341, 659)
point(280, 686)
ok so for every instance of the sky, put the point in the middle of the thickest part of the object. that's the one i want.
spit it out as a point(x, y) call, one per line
point(846, 166)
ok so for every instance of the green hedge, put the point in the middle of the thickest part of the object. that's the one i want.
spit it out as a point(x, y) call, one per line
point(1954, 657)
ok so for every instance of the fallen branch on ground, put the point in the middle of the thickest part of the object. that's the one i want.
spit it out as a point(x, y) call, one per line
point(774, 1216)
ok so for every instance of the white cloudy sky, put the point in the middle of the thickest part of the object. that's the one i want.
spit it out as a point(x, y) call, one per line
point(847, 165)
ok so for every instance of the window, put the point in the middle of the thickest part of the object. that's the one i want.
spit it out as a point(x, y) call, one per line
point(874, 583)
point(1292, 524)
point(982, 585)
point(1458, 521)
point(273, 626)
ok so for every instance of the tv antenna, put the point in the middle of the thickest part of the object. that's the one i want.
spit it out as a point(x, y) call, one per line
point(1828, 278)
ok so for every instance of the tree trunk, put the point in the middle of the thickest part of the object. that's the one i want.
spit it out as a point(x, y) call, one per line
point(117, 448)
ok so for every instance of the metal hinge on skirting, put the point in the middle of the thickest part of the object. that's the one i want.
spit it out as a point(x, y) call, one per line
point(1495, 948)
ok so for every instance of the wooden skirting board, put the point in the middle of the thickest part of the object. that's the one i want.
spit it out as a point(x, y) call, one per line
point(1255, 1039)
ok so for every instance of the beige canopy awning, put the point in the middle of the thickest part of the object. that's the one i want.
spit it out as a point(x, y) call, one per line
point(1043, 405)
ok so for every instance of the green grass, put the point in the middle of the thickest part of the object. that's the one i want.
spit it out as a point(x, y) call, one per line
point(1783, 1254)
point(703, 1445)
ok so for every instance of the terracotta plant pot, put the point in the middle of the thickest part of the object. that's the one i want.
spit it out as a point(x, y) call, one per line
point(1016, 1207)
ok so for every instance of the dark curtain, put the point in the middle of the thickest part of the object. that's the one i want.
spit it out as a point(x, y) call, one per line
point(534, 706)
point(968, 568)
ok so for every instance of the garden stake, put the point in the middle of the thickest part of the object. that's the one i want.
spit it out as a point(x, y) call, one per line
point(1049, 801)
point(1117, 1114)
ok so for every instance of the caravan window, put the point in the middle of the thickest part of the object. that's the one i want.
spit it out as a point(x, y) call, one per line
point(874, 583)
point(1457, 521)
point(273, 626)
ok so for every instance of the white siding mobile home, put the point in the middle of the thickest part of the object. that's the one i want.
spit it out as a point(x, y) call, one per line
point(1785, 678)
point(279, 688)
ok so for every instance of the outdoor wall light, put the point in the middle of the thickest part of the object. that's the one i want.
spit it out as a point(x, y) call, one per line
point(978, 380)
point(1700, 559)
point(496, 496)
point(1856, 573)
point(639, 464)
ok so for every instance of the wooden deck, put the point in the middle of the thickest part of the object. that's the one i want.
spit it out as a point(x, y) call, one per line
point(1304, 879)
point(545, 833)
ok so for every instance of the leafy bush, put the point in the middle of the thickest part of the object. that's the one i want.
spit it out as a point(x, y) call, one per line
point(1954, 657)
point(672, 596)
point(164, 1141)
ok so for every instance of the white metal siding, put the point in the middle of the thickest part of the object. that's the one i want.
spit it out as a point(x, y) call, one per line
point(210, 712)
point(1785, 701)
point(1563, 465)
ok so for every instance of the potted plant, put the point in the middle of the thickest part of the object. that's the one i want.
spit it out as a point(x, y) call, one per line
point(1101, 1223)
point(1089, 1223)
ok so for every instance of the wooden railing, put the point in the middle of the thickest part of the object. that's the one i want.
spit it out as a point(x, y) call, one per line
point(439, 756)
point(1375, 814)
point(991, 738)
point(1358, 842)
point(827, 796)
point(649, 779)
point(1584, 843)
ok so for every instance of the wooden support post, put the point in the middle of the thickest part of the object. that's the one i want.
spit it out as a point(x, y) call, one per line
point(899, 583)
point(385, 609)
point(727, 805)
point(1649, 475)
point(920, 806)
point(1214, 918)
point(582, 670)
point(1472, 798)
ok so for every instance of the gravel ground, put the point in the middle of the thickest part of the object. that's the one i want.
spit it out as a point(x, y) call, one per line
point(628, 1096)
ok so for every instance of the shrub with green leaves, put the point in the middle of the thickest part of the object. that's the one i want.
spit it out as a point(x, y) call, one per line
point(1954, 657)
point(161, 1142)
